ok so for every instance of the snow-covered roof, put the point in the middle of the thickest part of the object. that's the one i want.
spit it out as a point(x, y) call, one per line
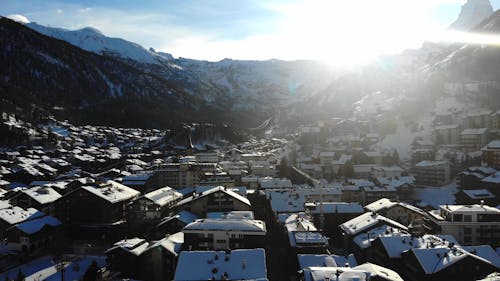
point(183, 216)
point(243, 264)
point(307, 239)
point(231, 215)
point(16, 214)
point(35, 225)
point(335, 207)
point(365, 239)
point(243, 225)
point(42, 194)
point(474, 131)
point(135, 246)
point(478, 193)
point(5, 204)
point(214, 190)
point(494, 144)
point(384, 203)
point(396, 182)
point(433, 260)
point(163, 196)
point(112, 191)
point(494, 178)
point(312, 260)
point(299, 222)
point(173, 243)
point(366, 221)
point(379, 271)
point(360, 272)
point(476, 208)
point(428, 163)
point(380, 204)
point(268, 182)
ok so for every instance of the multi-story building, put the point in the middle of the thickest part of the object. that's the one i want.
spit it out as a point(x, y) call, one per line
point(433, 173)
point(446, 134)
point(224, 234)
point(474, 139)
point(491, 154)
point(207, 157)
point(180, 175)
point(152, 206)
point(480, 119)
point(469, 224)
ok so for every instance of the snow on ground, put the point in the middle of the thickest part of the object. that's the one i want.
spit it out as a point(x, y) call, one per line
point(436, 196)
point(402, 139)
point(44, 268)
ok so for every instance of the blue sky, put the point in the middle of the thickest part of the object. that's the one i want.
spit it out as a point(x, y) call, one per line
point(252, 29)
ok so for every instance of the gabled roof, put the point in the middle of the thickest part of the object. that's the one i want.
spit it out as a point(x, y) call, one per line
point(367, 221)
point(135, 246)
point(33, 226)
point(42, 194)
point(112, 191)
point(227, 225)
point(214, 190)
point(14, 215)
point(163, 196)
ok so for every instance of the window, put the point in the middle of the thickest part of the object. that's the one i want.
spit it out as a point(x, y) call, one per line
point(221, 241)
point(457, 217)
point(467, 231)
point(467, 218)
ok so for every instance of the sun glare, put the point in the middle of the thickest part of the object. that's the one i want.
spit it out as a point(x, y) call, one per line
point(345, 32)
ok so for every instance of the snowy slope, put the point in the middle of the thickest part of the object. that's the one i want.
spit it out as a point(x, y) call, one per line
point(92, 40)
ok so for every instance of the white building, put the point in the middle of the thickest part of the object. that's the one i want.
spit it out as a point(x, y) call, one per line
point(469, 224)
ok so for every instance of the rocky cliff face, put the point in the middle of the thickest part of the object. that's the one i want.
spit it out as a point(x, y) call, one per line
point(473, 13)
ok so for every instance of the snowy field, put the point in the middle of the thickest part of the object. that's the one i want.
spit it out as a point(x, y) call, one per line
point(436, 196)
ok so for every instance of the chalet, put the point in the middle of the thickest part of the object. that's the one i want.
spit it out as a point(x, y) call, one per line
point(136, 258)
point(216, 199)
point(364, 223)
point(109, 202)
point(12, 215)
point(39, 197)
point(152, 206)
point(244, 264)
point(224, 234)
point(446, 263)
point(34, 235)
point(403, 213)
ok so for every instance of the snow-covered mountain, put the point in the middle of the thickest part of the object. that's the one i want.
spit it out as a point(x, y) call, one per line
point(93, 40)
point(473, 13)
point(241, 85)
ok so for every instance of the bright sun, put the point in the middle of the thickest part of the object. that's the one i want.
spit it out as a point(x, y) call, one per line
point(347, 32)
